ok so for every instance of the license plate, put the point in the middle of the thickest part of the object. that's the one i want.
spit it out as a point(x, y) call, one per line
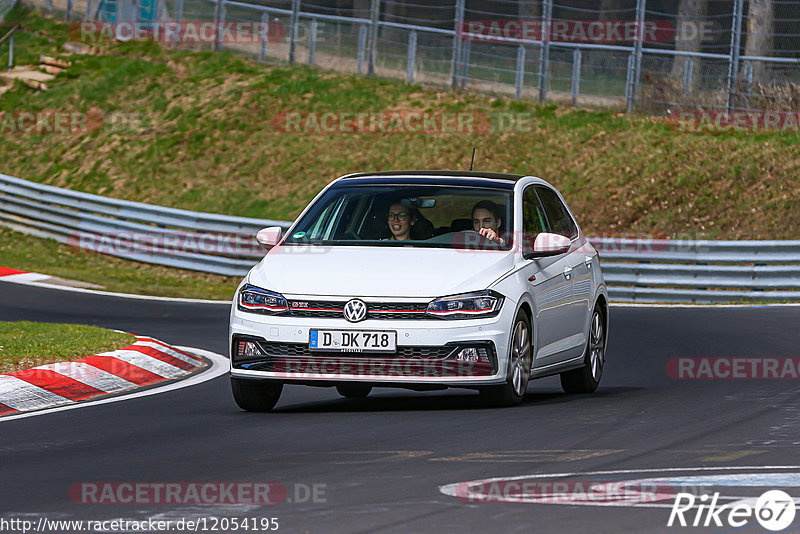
point(352, 340)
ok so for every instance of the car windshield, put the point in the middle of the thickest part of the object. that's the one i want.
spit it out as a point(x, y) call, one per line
point(407, 215)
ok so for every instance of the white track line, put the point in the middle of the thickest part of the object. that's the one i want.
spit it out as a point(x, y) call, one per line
point(219, 366)
point(168, 350)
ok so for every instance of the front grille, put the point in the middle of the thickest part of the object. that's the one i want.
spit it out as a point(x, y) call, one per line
point(301, 349)
point(375, 310)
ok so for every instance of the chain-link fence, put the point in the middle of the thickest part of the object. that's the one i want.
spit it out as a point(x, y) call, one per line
point(649, 55)
point(5, 7)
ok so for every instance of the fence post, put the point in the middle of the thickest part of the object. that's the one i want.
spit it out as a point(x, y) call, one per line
point(465, 53)
point(49, 4)
point(544, 50)
point(362, 47)
point(293, 30)
point(748, 76)
point(457, 39)
point(635, 72)
point(733, 62)
point(88, 15)
point(520, 78)
point(629, 82)
point(218, 18)
point(372, 53)
point(575, 87)
point(411, 59)
point(11, 51)
point(263, 36)
point(68, 15)
point(688, 73)
point(312, 41)
point(178, 10)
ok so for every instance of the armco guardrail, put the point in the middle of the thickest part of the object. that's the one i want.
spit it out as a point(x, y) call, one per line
point(638, 270)
point(143, 232)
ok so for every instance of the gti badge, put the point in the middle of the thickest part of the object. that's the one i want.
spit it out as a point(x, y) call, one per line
point(355, 310)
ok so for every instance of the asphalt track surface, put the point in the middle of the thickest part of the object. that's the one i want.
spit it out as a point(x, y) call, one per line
point(381, 461)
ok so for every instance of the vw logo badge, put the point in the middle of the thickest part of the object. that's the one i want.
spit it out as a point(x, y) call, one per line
point(355, 310)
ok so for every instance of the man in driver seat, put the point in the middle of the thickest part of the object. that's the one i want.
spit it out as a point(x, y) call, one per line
point(486, 220)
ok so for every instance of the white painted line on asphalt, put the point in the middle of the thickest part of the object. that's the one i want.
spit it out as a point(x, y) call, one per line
point(21, 395)
point(25, 277)
point(167, 350)
point(219, 366)
point(90, 375)
point(148, 363)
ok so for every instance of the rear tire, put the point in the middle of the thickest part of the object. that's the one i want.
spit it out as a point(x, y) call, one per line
point(587, 378)
point(256, 396)
point(519, 367)
point(353, 391)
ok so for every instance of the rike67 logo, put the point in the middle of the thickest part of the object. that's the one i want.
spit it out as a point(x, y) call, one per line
point(774, 510)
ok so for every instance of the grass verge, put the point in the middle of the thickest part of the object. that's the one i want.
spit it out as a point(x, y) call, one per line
point(24, 344)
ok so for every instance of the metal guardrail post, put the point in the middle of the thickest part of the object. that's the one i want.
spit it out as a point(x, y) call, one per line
point(544, 51)
point(465, 55)
point(458, 38)
point(219, 18)
point(688, 69)
point(293, 19)
point(312, 41)
point(263, 36)
point(636, 72)
point(372, 52)
point(11, 51)
point(629, 83)
point(411, 58)
point(575, 86)
point(748, 76)
point(362, 48)
point(520, 76)
point(733, 62)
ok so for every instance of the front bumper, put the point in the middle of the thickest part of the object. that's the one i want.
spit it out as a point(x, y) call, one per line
point(426, 351)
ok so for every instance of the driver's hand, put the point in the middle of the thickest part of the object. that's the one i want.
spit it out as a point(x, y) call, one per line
point(490, 234)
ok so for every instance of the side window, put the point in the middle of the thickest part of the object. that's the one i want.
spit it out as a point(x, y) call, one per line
point(557, 214)
point(533, 218)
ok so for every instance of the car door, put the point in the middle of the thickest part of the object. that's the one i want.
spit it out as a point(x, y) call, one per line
point(577, 274)
point(550, 288)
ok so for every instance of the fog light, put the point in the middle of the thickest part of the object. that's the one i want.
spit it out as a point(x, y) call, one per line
point(248, 348)
point(472, 354)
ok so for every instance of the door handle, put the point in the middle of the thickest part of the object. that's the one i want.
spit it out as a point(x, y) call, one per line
point(567, 272)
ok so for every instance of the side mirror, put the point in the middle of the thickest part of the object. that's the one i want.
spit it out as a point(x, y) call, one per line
point(269, 237)
point(547, 244)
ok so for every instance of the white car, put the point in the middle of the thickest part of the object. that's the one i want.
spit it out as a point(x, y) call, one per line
point(422, 280)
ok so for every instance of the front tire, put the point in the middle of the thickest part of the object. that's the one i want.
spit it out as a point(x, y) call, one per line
point(587, 378)
point(519, 367)
point(353, 391)
point(256, 396)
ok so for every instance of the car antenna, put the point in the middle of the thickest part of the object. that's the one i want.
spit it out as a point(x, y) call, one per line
point(473, 159)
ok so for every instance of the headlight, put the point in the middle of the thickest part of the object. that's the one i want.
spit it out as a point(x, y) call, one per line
point(256, 300)
point(467, 305)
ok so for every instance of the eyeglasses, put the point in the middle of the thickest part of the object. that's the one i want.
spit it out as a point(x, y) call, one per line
point(402, 216)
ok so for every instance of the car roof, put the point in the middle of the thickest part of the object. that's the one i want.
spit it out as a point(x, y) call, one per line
point(444, 177)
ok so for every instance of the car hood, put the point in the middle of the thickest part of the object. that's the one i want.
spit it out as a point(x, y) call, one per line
point(372, 272)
